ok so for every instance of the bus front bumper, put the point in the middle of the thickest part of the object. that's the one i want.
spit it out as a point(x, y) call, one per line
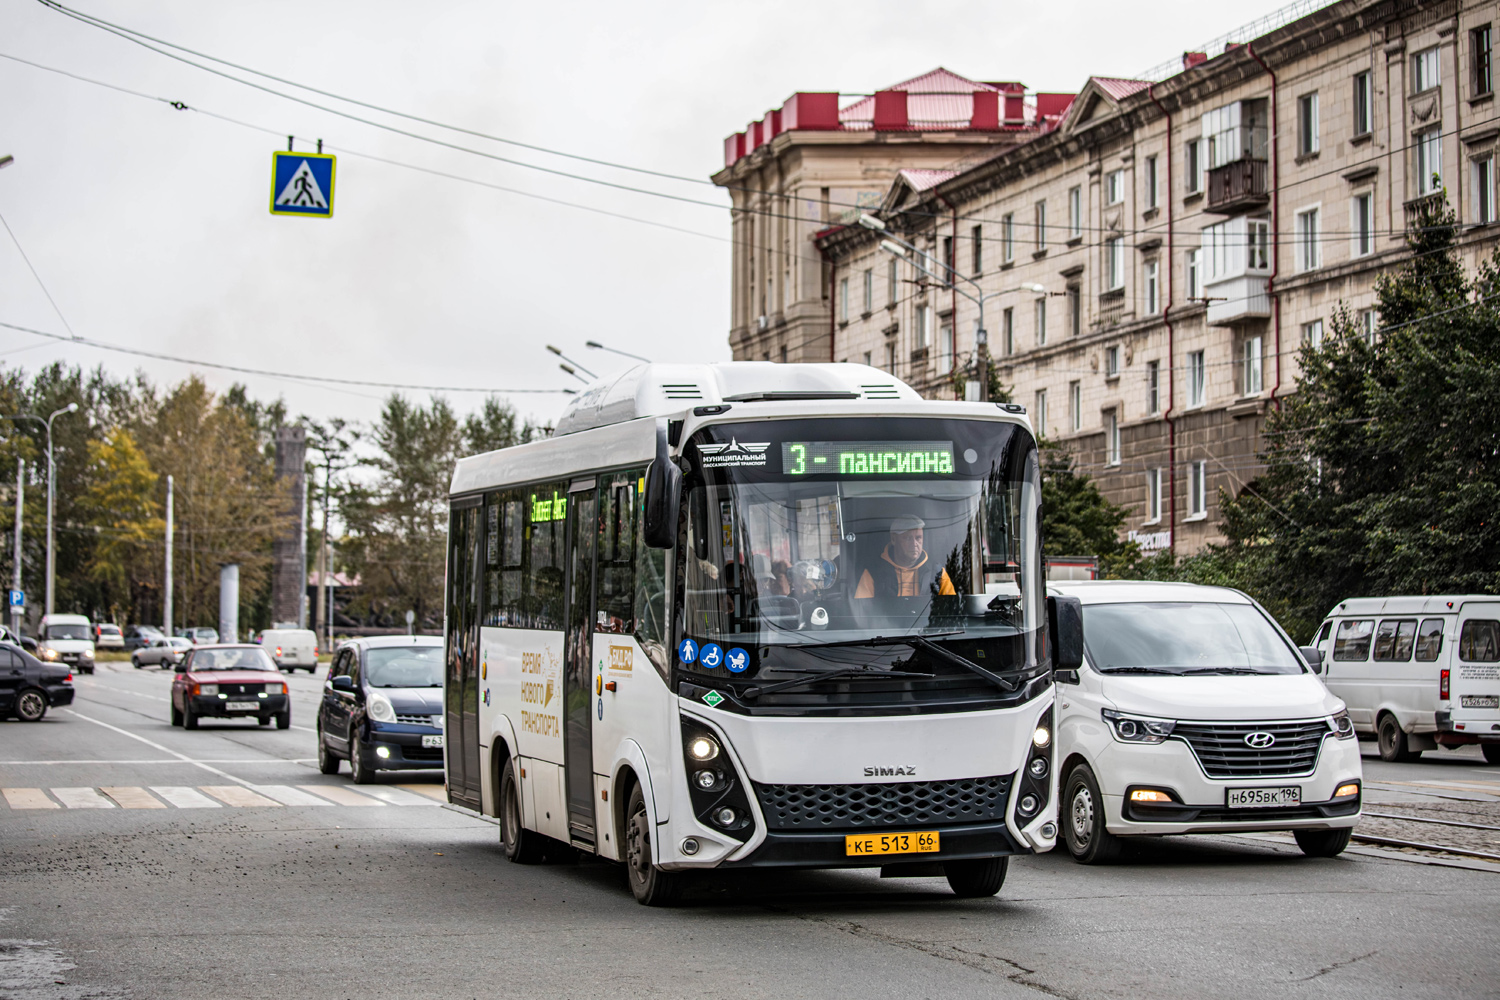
point(827, 849)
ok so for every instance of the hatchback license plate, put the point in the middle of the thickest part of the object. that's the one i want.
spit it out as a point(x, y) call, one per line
point(1479, 700)
point(861, 844)
point(1263, 798)
point(429, 742)
point(242, 706)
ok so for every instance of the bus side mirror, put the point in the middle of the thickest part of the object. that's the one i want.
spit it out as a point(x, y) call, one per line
point(663, 496)
point(1065, 623)
point(1314, 657)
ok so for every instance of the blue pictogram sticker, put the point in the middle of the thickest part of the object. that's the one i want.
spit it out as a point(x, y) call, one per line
point(738, 660)
point(712, 656)
point(687, 652)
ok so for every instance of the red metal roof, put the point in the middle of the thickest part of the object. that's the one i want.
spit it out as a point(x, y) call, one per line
point(939, 99)
point(1119, 89)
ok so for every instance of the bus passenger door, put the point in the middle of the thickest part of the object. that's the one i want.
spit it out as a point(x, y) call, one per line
point(461, 691)
point(578, 646)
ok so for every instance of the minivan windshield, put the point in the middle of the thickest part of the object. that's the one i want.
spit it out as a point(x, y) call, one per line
point(68, 632)
point(1183, 638)
point(405, 667)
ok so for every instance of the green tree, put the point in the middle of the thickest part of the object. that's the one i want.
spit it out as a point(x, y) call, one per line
point(120, 504)
point(495, 426)
point(1078, 520)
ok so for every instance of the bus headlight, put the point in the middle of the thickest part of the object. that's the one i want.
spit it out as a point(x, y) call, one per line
point(1041, 737)
point(1137, 729)
point(702, 748)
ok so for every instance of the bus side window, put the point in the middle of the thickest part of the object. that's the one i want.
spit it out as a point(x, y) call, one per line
point(1430, 639)
point(1479, 642)
point(615, 597)
point(1353, 640)
point(651, 594)
point(542, 589)
point(505, 568)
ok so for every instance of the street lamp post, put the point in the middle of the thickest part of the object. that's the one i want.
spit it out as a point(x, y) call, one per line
point(614, 350)
point(51, 490)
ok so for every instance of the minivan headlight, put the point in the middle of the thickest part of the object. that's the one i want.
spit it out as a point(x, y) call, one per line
point(1341, 726)
point(379, 707)
point(1137, 728)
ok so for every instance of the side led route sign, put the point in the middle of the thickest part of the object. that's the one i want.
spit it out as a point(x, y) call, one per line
point(302, 184)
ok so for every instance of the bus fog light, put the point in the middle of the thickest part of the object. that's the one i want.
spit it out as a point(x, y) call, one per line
point(1028, 805)
point(725, 817)
point(1042, 736)
point(706, 779)
point(1038, 767)
point(702, 748)
point(383, 753)
point(1048, 831)
point(690, 846)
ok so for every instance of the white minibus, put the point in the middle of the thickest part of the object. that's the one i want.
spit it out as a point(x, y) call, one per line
point(1417, 672)
point(758, 615)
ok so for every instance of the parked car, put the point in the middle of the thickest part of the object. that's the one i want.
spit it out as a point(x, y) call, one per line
point(108, 636)
point(201, 636)
point(67, 639)
point(1193, 712)
point(28, 687)
point(291, 647)
point(383, 706)
point(229, 682)
point(162, 652)
point(1417, 672)
point(139, 636)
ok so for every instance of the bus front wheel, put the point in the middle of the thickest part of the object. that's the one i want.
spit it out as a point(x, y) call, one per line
point(521, 845)
point(976, 879)
point(650, 885)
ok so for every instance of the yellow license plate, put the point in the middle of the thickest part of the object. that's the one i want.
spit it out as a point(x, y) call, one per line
point(861, 844)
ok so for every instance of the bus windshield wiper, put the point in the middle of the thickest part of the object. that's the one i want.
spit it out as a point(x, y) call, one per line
point(1221, 670)
point(925, 644)
point(1139, 670)
point(845, 673)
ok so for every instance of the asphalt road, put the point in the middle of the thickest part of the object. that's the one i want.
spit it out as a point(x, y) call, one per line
point(243, 895)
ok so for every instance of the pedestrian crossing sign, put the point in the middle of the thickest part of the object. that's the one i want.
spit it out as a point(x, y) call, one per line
point(302, 184)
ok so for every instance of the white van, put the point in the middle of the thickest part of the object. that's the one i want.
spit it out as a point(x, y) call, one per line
point(67, 639)
point(1193, 712)
point(1417, 672)
point(291, 647)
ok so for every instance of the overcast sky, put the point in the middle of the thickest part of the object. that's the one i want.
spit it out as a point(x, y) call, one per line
point(150, 226)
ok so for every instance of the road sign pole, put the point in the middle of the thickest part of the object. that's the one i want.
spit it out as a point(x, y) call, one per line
point(15, 612)
point(166, 590)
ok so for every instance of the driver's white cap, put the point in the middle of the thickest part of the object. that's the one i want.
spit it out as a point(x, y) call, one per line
point(908, 523)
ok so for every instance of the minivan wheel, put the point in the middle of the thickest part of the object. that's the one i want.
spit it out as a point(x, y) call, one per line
point(1083, 820)
point(649, 884)
point(1491, 752)
point(1323, 843)
point(523, 846)
point(31, 705)
point(1394, 748)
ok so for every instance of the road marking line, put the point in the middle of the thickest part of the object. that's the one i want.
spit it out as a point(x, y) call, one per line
point(82, 798)
point(158, 746)
point(185, 798)
point(340, 795)
point(169, 760)
point(289, 796)
point(130, 797)
point(28, 798)
point(234, 795)
point(437, 793)
point(396, 797)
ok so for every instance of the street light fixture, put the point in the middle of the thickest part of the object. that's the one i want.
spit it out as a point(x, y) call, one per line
point(614, 350)
point(570, 361)
point(7, 160)
point(51, 490)
point(570, 370)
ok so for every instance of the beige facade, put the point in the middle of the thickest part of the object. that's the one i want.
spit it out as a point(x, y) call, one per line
point(1177, 296)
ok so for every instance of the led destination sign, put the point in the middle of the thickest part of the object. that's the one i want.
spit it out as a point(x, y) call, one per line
point(867, 458)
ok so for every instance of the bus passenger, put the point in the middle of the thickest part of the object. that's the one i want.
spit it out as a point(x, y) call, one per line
point(900, 571)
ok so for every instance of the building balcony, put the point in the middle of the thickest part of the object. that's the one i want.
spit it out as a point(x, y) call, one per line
point(1238, 185)
point(1423, 210)
point(1236, 299)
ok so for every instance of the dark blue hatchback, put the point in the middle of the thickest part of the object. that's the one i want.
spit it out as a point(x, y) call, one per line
point(382, 706)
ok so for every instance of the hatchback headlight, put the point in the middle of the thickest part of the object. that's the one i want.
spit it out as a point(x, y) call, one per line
point(1341, 726)
point(1136, 728)
point(208, 689)
point(378, 706)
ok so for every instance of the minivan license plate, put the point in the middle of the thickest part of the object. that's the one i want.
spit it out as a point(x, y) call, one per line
point(431, 742)
point(1263, 798)
point(1479, 700)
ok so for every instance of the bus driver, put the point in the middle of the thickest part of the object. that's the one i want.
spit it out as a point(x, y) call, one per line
point(900, 571)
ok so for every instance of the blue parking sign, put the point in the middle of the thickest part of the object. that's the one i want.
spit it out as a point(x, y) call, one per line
point(18, 598)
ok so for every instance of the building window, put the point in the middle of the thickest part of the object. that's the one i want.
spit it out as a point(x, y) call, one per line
point(1198, 489)
point(1075, 212)
point(783, 354)
point(1309, 250)
point(1153, 302)
point(977, 238)
point(949, 261)
point(1258, 243)
point(890, 356)
point(1484, 189)
point(1364, 104)
point(1008, 238)
point(1041, 412)
point(1194, 289)
point(1369, 322)
point(1194, 159)
point(867, 359)
point(1040, 215)
point(1425, 71)
point(1114, 187)
point(1307, 124)
point(869, 291)
point(844, 299)
point(1153, 496)
point(1111, 362)
point(1008, 330)
point(1312, 334)
point(1075, 311)
point(1153, 387)
point(945, 347)
point(1362, 216)
point(1197, 379)
point(1075, 406)
point(1430, 161)
point(1111, 437)
point(1481, 68)
point(1114, 263)
point(1250, 362)
point(919, 331)
point(893, 280)
point(1151, 192)
point(1041, 322)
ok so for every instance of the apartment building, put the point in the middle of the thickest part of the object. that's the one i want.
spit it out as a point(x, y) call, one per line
point(1189, 232)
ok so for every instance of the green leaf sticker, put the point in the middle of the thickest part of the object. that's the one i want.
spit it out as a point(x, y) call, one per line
point(713, 698)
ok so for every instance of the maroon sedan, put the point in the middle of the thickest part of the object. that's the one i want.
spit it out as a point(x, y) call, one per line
point(229, 682)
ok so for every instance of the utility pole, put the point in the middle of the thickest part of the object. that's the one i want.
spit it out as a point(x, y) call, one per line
point(166, 601)
point(334, 441)
point(325, 555)
point(15, 612)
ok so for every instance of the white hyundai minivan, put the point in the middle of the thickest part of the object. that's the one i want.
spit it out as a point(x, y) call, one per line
point(1194, 712)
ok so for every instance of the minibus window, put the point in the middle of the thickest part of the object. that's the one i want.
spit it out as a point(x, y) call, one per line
point(1430, 639)
point(1353, 640)
point(1323, 634)
point(1393, 641)
point(1479, 642)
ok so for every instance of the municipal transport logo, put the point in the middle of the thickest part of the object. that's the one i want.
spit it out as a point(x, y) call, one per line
point(720, 455)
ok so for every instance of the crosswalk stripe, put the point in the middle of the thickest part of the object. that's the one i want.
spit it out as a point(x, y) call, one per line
point(28, 798)
point(340, 795)
point(82, 798)
point(396, 797)
point(234, 795)
point(437, 793)
point(289, 796)
point(130, 797)
point(185, 798)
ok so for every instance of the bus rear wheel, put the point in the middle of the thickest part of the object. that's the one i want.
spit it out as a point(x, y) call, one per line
point(521, 845)
point(649, 884)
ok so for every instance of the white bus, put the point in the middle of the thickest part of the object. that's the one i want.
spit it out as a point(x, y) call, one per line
point(757, 615)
